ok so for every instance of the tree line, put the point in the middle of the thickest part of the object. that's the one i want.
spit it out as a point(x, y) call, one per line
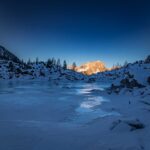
point(51, 62)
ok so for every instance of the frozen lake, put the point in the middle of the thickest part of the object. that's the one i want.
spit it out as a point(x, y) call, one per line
point(45, 115)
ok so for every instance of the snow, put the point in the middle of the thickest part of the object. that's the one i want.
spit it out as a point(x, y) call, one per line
point(66, 110)
point(44, 115)
point(139, 70)
point(37, 71)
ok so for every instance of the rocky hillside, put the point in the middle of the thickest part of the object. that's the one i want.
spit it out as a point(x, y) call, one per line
point(12, 68)
point(91, 68)
point(133, 75)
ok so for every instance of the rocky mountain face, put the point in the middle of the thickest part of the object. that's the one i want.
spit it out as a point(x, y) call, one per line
point(91, 68)
point(7, 56)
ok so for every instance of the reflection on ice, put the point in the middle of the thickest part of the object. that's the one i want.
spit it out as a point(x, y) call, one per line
point(82, 91)
point(92, 102)
point(90, 110)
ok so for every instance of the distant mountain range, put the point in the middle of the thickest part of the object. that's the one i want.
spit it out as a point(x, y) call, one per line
point(12, 67)
point(91, 68)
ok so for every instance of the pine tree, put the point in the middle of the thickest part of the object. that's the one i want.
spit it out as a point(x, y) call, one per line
point(29, 62)
point(37, 60)
point(53, 61)
point(49, 63)
point(118, 66)
point(58, 64)
point(64, 64)
point(74, 66)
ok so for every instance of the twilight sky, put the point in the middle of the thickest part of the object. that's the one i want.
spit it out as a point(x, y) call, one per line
point(76, 30)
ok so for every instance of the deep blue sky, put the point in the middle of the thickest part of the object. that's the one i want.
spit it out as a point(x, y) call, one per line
point(76, 30)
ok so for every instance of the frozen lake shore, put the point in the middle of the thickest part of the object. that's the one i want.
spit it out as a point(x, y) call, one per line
point(38, 115)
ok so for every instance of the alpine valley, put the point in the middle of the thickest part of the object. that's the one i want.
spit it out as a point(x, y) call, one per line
point(45, 105)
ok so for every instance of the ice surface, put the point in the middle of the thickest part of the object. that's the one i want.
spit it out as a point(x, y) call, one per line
point(28, 106)
point(40, 115)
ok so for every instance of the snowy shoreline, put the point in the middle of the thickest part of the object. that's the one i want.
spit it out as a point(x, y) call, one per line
point(49, 118)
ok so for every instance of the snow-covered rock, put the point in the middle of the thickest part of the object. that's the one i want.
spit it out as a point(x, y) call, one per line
point(12, 68)
point(133, 74)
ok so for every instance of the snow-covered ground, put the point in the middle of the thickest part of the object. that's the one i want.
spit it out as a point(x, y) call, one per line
point(41, 115)
point(44, 106)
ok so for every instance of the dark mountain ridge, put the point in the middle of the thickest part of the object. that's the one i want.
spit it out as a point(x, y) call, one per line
point(6, 55)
